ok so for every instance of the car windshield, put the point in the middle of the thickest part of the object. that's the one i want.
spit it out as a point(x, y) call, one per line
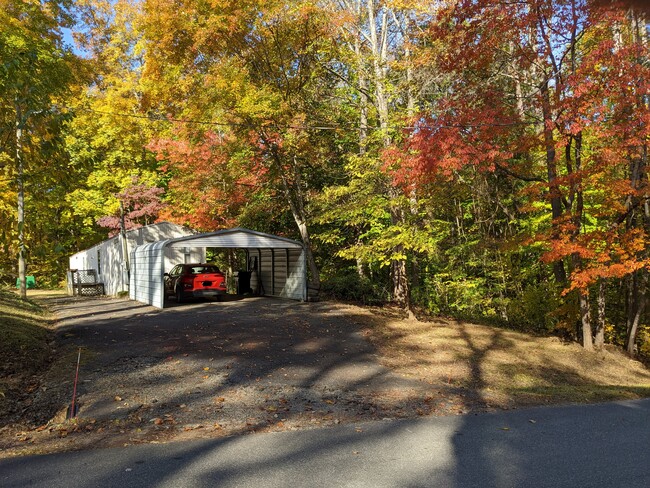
point(203, 269)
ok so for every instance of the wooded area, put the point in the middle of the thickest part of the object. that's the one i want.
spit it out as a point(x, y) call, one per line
point(477, 159)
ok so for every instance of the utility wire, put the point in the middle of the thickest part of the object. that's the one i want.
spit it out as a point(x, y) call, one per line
point(162, 118)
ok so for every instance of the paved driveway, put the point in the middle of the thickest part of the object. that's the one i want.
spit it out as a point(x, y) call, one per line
point(208, 369)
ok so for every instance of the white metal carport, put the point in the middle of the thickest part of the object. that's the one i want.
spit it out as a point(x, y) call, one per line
point(281, 263)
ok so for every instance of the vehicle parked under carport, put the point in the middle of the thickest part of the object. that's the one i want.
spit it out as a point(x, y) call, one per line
point(195, 280)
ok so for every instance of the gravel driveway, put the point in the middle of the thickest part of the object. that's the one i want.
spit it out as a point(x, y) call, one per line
point(206, 369)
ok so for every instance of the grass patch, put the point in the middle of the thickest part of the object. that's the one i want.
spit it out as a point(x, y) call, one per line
point(580, 394)
point(479, 366)
point(24, 336)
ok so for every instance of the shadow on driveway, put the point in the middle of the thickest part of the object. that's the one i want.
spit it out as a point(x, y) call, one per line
point(205, 369)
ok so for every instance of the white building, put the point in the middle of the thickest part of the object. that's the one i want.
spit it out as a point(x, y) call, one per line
point(108, 258)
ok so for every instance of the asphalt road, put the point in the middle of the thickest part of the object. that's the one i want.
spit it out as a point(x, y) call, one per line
point(605, 445)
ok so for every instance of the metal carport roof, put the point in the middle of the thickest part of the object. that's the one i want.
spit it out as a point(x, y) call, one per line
point(237, 238)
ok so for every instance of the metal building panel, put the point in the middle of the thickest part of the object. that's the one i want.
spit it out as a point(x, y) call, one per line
point(282, 281)
point(111, 268)
point(147, 274)
point(296, 282)
point(265, 274)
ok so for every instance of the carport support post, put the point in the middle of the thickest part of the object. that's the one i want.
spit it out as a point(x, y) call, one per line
point(305, 290)
point(132, 289)
point(272, 271)
point(260, 286)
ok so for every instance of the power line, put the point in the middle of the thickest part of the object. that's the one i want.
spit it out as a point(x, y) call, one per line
point(338, 127)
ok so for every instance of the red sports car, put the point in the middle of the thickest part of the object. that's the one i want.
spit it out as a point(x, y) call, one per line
point(195, 281)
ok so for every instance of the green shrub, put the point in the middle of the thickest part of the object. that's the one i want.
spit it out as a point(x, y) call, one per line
point(349, 286)
point(534, 310)
point(467, 298)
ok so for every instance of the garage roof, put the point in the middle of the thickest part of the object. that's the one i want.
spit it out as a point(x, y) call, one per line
point(237, 238)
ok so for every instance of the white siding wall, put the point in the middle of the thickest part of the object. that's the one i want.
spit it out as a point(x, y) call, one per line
point(174, 256)
point(155, 233)
point(85, 259)
point(82, 260)
point(147, 276)
point(112, 266)
point(78, 261)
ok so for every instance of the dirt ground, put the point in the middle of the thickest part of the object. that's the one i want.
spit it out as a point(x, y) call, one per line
point(253, 364)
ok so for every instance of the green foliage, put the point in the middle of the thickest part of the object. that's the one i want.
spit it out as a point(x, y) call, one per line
point(38, 74)
point(644, 342)
point(348, 285)
point(535, 308)
point(460, 291)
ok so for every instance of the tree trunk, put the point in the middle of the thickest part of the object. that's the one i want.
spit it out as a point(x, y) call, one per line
point(314, 282)
point(293, 192)
point(638, 281)
point(363, 113)
point(551, 169)
point(585, 318)
point(638, 303)
point(301, 222)
point(411, 105)
point(398, 268)
point(585, 311)
point(22, 268)
point(363, 91)
point(600, 319)
point(379, 46)
point(125, 246)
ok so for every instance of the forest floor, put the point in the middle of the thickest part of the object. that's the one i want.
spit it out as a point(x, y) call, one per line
point(251, 364)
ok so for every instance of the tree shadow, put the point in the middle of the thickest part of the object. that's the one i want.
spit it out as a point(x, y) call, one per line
point(563, 447)
point(278, 362)
point(510, 449)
